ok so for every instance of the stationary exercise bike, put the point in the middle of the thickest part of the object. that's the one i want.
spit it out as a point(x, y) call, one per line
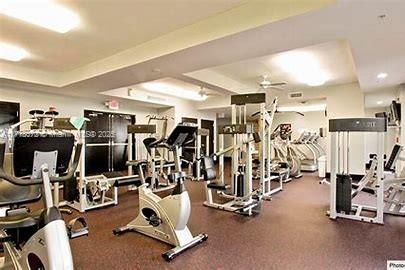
point(39, 239)
point(166, 218)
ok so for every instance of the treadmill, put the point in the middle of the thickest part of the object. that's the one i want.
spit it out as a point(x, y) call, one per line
point(308, 164)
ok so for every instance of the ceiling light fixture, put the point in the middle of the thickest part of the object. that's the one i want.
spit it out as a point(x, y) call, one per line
point(304, 66)
point(303, 108)
point(382, 76)
point(172, 90)
point(379, 102)
point(44, 13)
point(11, 53)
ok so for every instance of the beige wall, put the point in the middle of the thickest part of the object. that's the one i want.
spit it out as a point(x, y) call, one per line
point(342, 101)
point(73, 106)
point(66, 105)
point(391, 137)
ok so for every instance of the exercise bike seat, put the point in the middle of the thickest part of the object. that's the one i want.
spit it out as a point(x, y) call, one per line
point(21, 220)
point(16, 195)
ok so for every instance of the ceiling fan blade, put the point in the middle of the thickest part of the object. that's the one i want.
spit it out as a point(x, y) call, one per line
point(291, 112)
point(278, 83)
point(277, 88)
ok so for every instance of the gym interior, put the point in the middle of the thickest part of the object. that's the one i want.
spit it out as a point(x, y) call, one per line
point(204, 134)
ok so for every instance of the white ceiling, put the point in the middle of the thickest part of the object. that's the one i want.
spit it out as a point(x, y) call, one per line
point(177, 84)
point(376, 46)
point(150, 98)
point(333, 57)
point(107, 27)
point(241, 17)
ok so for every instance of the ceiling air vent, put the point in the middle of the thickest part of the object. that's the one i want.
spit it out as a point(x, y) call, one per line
point(294, 95)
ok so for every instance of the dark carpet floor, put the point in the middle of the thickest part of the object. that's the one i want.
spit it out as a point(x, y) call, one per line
point(291, 232)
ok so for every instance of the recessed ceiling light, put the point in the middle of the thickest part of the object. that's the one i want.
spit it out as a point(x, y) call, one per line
point(11, 53)
point(44, 13)
point(382, 75)
point(303, 66)
point(173, 90)
point(379, 102)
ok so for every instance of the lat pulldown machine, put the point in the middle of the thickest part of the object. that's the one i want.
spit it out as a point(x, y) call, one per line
point(341, 192)
point(243, 198)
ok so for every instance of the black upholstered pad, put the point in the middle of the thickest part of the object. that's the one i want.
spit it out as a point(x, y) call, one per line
point(208, 169)
point(15, 195)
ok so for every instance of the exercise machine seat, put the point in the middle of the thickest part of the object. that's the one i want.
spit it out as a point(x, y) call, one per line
point(209, 173)
point(27, 142)
point(208, 169)
point(16, 195)
point(218, 186)
point(25, 145)
point(21, 220)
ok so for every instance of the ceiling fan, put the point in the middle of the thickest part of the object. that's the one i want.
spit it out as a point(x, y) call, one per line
point(265, 83)
point(204, 93)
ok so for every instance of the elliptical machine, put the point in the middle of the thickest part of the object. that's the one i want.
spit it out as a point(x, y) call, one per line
point(37, 240)
point(166, 218)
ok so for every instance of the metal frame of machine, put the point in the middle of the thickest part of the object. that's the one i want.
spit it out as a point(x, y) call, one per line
point(99, 185)
point(196, 168)
point(155, 164)
point(242, 199)
point(265, 124)
point(242, 150)
point(340, 130)
point(166, 218)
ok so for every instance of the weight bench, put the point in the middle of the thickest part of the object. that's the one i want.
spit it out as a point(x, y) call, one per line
point(120, 180)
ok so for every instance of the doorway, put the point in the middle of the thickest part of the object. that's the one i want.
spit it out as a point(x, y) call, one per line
point(208, 124)
point(106, 141)
point(9, 115)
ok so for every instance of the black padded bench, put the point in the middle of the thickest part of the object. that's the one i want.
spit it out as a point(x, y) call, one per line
point(218, 186)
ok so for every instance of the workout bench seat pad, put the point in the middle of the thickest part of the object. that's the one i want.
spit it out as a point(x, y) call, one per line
point(16, 195)
point(20, 221)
